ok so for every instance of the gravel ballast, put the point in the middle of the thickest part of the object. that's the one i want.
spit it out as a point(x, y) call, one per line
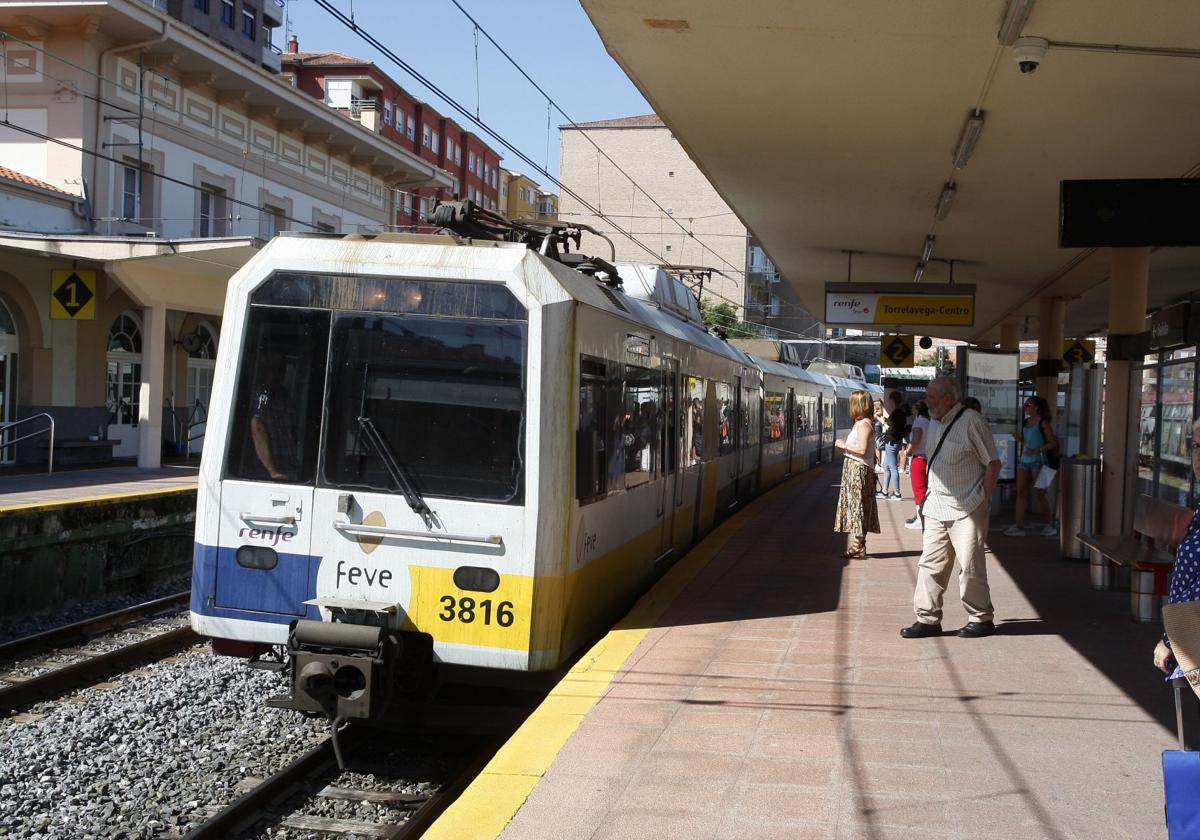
point(150, 756)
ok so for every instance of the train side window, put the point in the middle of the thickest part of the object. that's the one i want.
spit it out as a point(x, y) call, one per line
point(280, 392)
point(727, 422)
point(591, 460)
point(774, 421)
point(639, 425)
point(694, 425)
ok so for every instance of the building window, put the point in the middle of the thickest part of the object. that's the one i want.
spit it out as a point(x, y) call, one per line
point(271, 221)
point(124, 370)
point(436, 142)
point(200, 5)
point(325, 227)
point(470, 161)
point(339, 93)
point(412, 129)
point(130, 193)
point(408, 204)
point(212, 211)
point(458, 155)
point(425, 136)
point(387, 113)
point(227, 13)
point(248, 21)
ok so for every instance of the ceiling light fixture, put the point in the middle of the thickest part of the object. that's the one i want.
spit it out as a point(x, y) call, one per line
point(927, 251)
point(967, 140)
point(949, 190)
point(1014, 21)
point(919, 273)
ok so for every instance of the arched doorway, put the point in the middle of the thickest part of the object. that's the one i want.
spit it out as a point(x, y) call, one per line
point(8, 376)
point(124, 383)
point(202, 361)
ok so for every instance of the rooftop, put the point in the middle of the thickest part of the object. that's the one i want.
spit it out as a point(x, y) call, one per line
point(643, 121)
point(21, 178)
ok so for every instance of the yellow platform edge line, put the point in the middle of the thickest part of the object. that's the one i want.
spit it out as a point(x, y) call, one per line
point(85, 501)
point(491, 801)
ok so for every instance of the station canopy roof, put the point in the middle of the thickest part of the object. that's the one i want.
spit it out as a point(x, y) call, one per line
point(830, 126)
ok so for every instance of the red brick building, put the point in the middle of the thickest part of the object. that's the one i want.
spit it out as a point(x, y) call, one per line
point(364, 93)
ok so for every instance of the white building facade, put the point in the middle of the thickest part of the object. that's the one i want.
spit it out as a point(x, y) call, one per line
point(167, 158)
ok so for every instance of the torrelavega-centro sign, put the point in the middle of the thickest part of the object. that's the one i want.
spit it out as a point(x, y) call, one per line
point(900, 304)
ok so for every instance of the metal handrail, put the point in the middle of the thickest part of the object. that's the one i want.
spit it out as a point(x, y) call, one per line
point(4, 430)
point(197, 408)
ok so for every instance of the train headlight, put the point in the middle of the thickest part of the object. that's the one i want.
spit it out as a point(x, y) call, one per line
point(257, 557)
point(476, 579)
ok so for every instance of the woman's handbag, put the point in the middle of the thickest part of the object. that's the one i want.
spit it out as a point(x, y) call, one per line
point(1049, 456)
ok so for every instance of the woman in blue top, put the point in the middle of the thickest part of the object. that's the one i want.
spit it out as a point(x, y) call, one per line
point(1036, 439)
point(1185, 577)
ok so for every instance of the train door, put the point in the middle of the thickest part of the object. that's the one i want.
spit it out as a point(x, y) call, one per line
point(789, 431)
point(668, 454)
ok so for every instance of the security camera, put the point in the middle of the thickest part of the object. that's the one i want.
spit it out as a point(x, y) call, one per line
point(1029, 53)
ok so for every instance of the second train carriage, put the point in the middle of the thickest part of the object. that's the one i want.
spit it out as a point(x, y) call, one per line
point(424, 450)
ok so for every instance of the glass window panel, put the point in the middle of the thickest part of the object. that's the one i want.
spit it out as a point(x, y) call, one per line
point(1147, 431)
point(639, 425)
point(694, 430)
point(1177, 393)
point(278, 407)
point(774, 417)
point(591, 470)
point(446, 395)
point(727, 419)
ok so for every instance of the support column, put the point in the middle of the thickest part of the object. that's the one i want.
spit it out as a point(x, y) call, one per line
point(1051, 322)
point(1126, 316)
point(1010, 335)
point(150, 408)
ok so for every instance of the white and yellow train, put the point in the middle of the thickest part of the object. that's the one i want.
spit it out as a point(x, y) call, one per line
point(430, 451)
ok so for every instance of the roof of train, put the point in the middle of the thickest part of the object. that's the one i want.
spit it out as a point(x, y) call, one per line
point(637, 302)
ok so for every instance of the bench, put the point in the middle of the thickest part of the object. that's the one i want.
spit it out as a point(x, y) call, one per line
point(1148, 554)
point(76, 451)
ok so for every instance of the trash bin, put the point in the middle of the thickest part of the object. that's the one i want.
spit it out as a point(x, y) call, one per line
point(1079, 495)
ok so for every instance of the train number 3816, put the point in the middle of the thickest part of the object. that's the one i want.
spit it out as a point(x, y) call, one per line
point(468, 610)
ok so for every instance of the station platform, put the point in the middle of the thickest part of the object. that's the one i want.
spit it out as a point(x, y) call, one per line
point(762, 690)
point(74, 487)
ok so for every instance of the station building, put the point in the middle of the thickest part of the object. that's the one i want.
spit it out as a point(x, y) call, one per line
point(144, 163)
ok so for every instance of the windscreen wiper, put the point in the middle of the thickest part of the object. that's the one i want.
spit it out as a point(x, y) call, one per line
point(397, 472)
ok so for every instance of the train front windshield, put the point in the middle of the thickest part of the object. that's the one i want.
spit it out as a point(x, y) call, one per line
point(437, 367)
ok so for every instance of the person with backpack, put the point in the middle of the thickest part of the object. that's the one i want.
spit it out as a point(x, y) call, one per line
point(1038, 447)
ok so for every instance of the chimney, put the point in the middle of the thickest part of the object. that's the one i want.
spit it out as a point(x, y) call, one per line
point(293, 45)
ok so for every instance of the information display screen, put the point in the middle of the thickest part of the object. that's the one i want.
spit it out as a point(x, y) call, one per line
point(991, 378)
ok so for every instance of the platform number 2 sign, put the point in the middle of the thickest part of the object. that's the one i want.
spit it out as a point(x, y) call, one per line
point(73, 295)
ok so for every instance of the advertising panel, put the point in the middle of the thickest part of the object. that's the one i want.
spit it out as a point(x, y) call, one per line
point(900, 304)
point(991, 378)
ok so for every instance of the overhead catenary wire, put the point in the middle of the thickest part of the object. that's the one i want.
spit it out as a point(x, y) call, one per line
point(579, 128)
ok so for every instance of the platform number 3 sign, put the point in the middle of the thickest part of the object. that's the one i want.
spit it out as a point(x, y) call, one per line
point(73, 295)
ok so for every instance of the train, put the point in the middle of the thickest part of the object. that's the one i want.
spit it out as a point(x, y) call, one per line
point(466, 453)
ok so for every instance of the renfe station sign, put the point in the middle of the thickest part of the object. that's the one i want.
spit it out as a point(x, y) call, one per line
point(900, 304)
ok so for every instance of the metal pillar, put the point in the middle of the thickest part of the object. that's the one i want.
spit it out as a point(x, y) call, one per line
point(150, 410)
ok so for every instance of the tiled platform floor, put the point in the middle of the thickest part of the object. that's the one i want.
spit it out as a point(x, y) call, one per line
point(776, 699)
point(67, 486)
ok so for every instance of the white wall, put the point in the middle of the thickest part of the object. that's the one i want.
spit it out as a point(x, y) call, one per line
point(27, 211)
point(21, 152)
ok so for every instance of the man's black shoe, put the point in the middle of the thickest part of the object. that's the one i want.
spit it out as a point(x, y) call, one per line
point(977, 630)
point(920, 630)
point(910, 520)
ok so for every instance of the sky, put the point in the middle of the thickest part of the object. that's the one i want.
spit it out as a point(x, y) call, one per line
point(553, 41)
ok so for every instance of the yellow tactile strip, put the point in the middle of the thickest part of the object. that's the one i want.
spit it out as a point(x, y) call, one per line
point(84, 501)
point(488, 803)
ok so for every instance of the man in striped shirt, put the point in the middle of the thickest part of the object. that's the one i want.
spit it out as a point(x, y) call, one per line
point(962, 470)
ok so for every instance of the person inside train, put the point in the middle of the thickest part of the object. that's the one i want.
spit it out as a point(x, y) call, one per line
point(697, 420)
point(1036, 440)
point(857, 512)
point(272, 431)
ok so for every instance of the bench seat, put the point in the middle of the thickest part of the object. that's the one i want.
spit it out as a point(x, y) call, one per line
point(1149, 553)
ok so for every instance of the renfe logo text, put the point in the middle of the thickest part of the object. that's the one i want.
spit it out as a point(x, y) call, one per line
point(273, 536)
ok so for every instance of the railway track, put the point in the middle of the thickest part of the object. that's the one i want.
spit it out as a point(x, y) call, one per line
point(275, 801)
point(92, 665)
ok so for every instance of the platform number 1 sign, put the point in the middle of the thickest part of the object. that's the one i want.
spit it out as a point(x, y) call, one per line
point(73, 295)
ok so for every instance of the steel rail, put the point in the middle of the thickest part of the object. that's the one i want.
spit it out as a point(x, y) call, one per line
point(88, 628)
point(81, 674)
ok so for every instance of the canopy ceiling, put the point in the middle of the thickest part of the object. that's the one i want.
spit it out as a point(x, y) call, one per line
point(829, 126)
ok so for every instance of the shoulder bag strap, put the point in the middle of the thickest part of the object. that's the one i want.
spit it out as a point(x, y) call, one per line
point(942, 439)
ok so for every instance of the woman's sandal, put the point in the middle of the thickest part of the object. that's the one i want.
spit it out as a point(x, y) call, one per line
point(855, 552)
